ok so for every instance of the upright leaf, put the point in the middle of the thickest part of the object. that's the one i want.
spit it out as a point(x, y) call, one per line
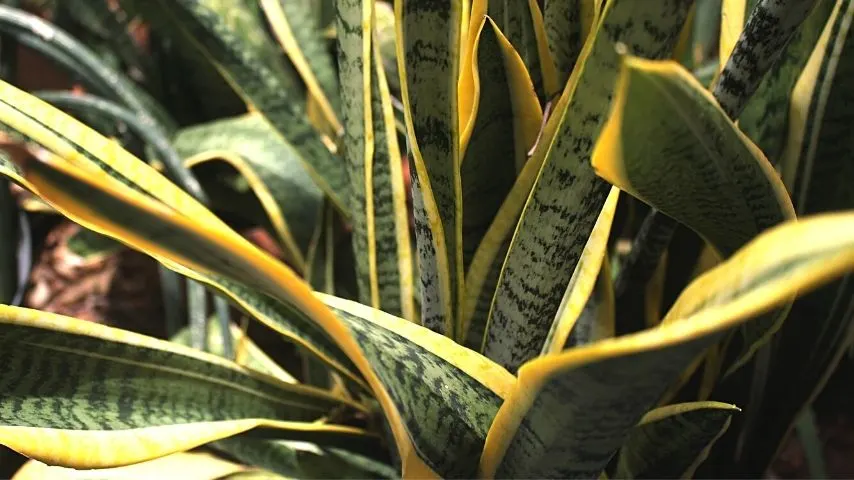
point(563, 26)
point(765, 117)
point(381, 242)
point(568, 197)
point(428, 36)
point(506, 118)
point(301, 40)
point(769, 28)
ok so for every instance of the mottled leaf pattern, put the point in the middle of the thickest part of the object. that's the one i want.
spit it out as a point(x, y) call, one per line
point(446, 410)
point(671, 441)
point(765, 117)
point(270, 166)
point(75, 376)
point(428, 59)
point(529, 439)
point(769, 28)
point(567, 197)
point(581, 285)
point(380, 223)
point(563, 24)
point(260, 85)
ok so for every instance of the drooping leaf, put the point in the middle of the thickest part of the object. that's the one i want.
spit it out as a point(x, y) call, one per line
point(271, 167)
point(567, 196)
point(381, 243)
point(429, 93)
point(222, 259)
point(735, 192)
point(113, 387)
point(247, 63)
point(671, 441)
point(528, 439)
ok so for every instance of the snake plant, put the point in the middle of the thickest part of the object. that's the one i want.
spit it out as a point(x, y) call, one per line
point(628, 247)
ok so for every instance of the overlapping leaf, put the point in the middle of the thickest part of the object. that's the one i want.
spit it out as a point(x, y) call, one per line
point(568, 197)
point(528, 439)
point(126, 398)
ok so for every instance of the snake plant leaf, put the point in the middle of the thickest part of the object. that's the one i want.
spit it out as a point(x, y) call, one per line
point(271, 167)
point(302, 459)
point(252, 356)
point(506, 118)
point(202, 466)
point(521, 22)
point(429, 93)
point(384, 30)
point(321, 254)
point(581, 285)
point(358, 335)
point(671, 441)
point(303, 43)
point(485, 267)
point(246, 65)
point(527, 439)
point(279, 316)
point(447, 394)
point(704, 156)
point(567, 197)
point(765, 117)
point(381, 243)
point(818, 330)
point(114, 400)
point(768, 29)
point(664, 159)
point(563, 25)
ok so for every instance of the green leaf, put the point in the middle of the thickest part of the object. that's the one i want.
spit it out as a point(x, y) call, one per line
point(765, 118)
point(563, 25)
point(271, 167)
point(768, 29)
point(302, 459)
point(447, 395)
point(113, 385)
point(602, 390)
point(218, 255)
point(516, 20)
point(504, 124)
point(252, 356)
point(303, 43)
point(692, 150)
point(671, 441)
point(818, 330)
point(246, 65)
point(429, 93)
point(570, 326)
point(381, 243)
point(567, 197)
